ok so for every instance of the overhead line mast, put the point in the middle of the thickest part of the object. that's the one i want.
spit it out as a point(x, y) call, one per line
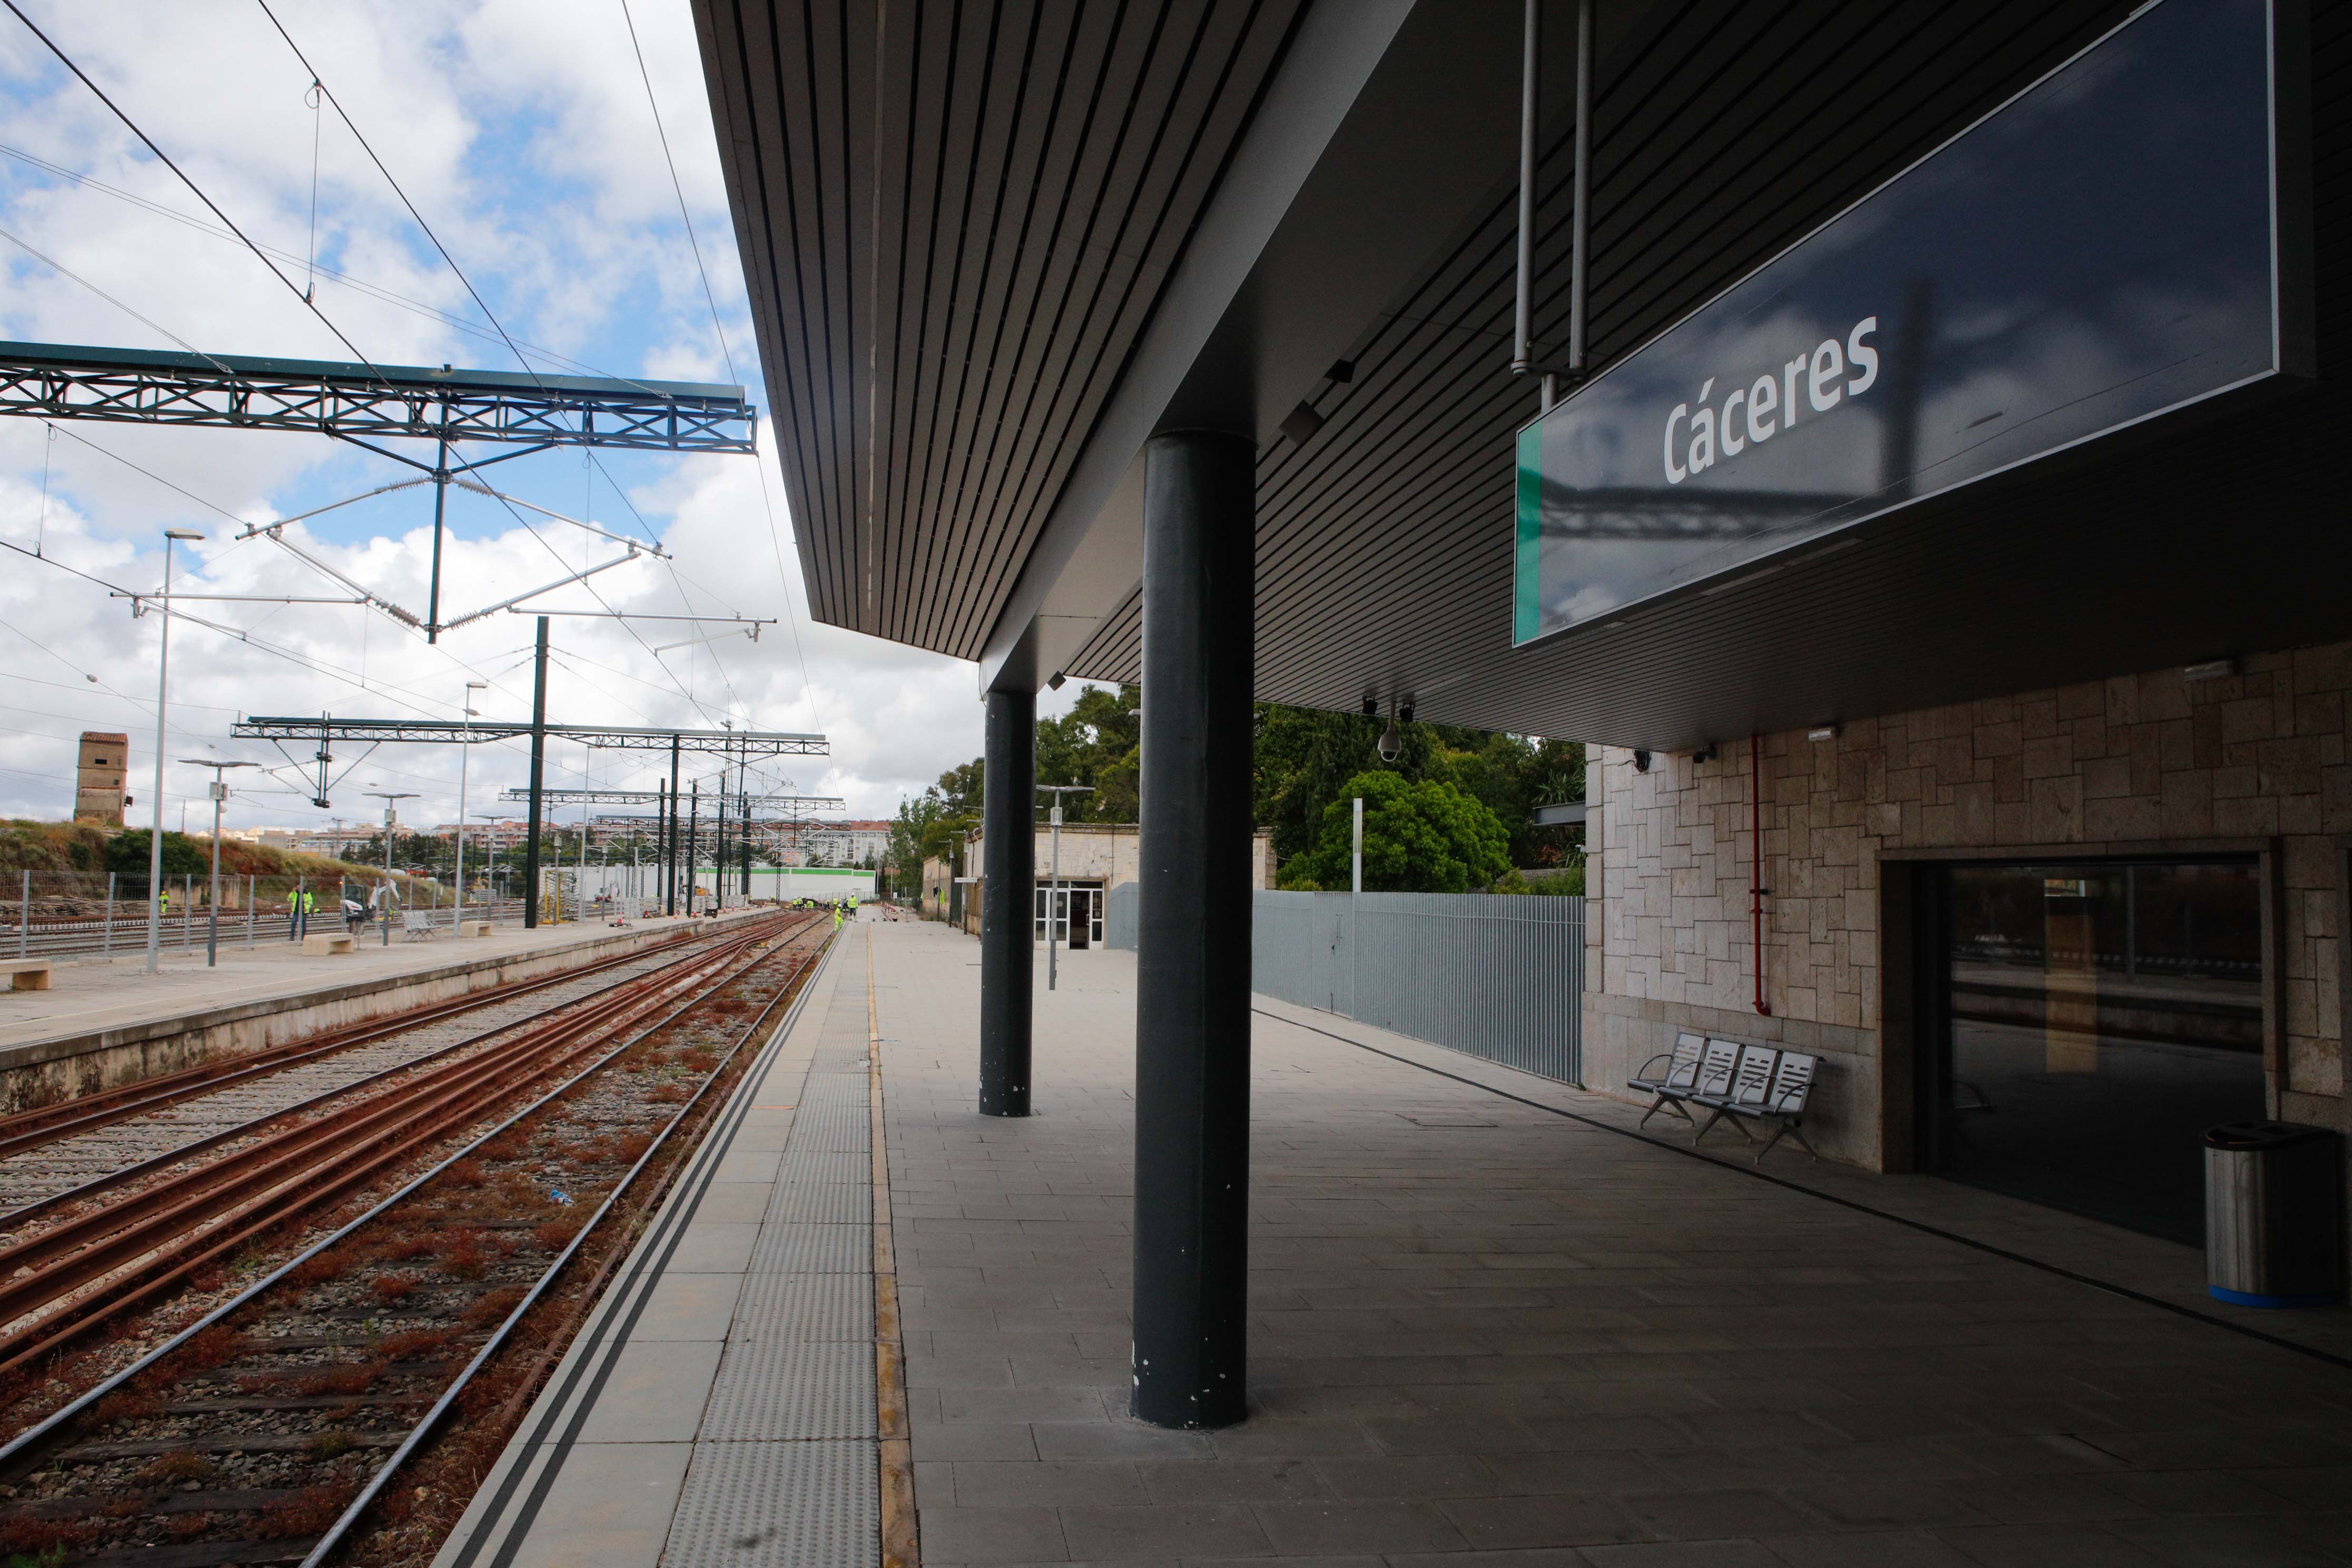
point(728, 745)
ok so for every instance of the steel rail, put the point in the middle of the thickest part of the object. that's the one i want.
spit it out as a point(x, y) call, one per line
point(31, 1128)
point(431, 1418)
point(176, 1260)
point(60, 1261)
point(83, 1191)
point(163, 1221)
point(14, 1453)
point(158, 1234)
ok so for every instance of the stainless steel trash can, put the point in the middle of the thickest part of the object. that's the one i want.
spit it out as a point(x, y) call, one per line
point(2273, 1214)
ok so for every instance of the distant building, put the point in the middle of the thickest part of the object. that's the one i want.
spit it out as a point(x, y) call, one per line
point(97, 782)
point(1095, 857)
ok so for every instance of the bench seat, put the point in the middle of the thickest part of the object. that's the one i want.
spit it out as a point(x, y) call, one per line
point(1736, 1079)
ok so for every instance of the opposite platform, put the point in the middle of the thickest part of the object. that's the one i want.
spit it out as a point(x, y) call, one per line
point(106, 1022)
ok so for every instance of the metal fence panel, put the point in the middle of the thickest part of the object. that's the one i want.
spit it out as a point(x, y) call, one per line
point(1121, 907)
point(1493, 975)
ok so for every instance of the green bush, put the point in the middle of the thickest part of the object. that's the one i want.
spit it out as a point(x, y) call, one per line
point(126, 854)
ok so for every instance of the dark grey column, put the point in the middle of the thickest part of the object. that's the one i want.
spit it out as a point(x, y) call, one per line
point(1008, 873)
point(1192, 949)
point(538, 774)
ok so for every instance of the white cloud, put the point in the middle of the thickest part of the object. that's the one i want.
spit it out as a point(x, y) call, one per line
point(522, 132)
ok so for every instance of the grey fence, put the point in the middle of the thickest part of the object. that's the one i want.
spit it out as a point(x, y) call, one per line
point(1495, 977)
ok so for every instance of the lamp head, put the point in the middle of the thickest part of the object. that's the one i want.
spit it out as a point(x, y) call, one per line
point(185, 533)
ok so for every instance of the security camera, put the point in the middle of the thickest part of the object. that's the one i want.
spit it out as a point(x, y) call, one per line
point(1392, 740)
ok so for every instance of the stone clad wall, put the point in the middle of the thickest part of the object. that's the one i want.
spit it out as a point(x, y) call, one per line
point(2103, 767)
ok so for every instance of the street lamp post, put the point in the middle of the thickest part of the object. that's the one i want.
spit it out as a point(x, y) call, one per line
point(1053, 876)
point(464, 755)
point(162, 693)
point(219, 792)
point(391, 820)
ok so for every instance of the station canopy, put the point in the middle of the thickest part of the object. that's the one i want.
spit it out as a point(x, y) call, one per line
point(992, 249)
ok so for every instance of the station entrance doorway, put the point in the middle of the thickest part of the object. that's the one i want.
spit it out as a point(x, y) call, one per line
point(2088, 1020)
point(1075, 910)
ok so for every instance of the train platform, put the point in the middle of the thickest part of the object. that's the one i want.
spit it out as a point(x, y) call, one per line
point(1492, 1324)
point(104, 1020)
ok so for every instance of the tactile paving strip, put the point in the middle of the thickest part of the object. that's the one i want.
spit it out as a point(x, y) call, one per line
point(781, 1390)
point(821, 1202)
point(825, 1166)
point(812, 1307)
point(830, 1059)
point(770, 1505)
point(813, 1249)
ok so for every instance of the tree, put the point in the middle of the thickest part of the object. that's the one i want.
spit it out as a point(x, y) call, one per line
point(127, 854)
point(1305, 758)
point(1419, 837)
point(1099, 742)
point(1512, 774)
point(927, 826)
point(1305, 762)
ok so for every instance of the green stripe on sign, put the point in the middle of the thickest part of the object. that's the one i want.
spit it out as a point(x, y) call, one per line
point(1527, 574)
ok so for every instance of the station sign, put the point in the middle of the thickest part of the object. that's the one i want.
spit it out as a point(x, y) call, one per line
point(2103, 248)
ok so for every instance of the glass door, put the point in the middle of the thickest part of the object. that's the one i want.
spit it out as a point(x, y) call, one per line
point(2097, 1017)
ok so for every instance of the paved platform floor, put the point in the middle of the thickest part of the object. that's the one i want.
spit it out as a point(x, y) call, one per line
point(1484, 1335)
point(89, 993)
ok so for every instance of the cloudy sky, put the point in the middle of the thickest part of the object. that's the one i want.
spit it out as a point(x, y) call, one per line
point(522, 133)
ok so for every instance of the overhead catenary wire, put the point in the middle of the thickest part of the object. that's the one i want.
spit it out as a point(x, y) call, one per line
point(776, 541)
point(308, 302)
point(361, 285)
point(229, 230)
point(233, 517)
point(62, 270)
point(133, 126)
point(199, 193)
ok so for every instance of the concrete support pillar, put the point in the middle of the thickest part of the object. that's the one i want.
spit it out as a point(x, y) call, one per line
point(1008, 874)
point(1192, 958)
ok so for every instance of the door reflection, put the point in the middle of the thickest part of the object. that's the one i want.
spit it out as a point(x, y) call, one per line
point(2101, 1015)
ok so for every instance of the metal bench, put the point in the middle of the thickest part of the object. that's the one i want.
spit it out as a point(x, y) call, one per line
point(416, 925)
point(1696, 1066)
point(1768, 1085)
point(1678, 1083)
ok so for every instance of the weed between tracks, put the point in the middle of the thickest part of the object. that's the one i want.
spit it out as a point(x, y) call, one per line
point(266, 1426)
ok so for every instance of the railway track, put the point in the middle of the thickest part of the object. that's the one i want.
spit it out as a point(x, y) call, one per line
point(265, 1431)
point(34, 1126)
point(62, 1154)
